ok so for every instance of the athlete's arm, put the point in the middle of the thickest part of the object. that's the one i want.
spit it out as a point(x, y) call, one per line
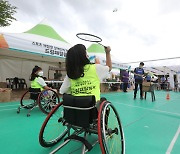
point(108, 57)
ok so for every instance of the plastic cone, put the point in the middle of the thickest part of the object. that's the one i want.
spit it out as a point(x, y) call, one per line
point(168, 96)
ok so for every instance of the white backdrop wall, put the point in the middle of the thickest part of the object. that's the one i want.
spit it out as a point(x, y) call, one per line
point(21, 68)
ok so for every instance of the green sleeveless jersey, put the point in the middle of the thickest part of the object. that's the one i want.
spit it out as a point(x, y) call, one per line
point(35, 84)
point(87, 85)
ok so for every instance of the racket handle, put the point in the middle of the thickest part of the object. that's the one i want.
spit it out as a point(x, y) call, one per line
point(102, 45)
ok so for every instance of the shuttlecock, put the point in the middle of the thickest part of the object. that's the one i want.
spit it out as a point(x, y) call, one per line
point(115, 10)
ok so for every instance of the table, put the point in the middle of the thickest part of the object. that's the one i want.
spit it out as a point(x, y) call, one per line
point(54, 84)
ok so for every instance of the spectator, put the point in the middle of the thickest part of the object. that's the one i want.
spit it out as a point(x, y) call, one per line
point(163, 79)
point(57, 75)
point(125, 80)
point(148, 77)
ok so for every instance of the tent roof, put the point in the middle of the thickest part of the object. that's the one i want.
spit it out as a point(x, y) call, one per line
point(96, 48)
point(44, 29)
point(40, 41)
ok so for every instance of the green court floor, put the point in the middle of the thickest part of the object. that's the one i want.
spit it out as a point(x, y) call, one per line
point(149, 127)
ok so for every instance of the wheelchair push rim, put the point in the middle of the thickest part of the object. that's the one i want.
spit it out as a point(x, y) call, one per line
point(27, 103)
point(47, 100)
point(53, 130)
point(110, 131)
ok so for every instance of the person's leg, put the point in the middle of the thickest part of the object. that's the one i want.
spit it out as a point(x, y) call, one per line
point(135, 90)
point(141, 92)
point(125, 87)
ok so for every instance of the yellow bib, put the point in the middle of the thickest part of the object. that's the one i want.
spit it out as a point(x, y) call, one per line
point(35, 84)
point(87, 85)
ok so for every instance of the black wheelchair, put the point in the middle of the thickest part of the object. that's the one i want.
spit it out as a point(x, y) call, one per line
point(46, 100)
point(76, 117)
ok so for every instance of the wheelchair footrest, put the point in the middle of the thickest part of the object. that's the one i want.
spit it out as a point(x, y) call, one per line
point(81, 139)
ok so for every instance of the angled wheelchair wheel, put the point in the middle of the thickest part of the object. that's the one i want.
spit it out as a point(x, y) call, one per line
point(26, 102)
point(47, 100)
point(53, 129)
point(110, 131)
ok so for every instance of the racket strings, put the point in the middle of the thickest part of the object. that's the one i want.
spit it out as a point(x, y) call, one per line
point(88, 37)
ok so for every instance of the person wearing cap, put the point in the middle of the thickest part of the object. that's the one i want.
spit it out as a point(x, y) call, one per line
point(37, 80)
point(148, 77)
point(125, 80)
point(138, 76)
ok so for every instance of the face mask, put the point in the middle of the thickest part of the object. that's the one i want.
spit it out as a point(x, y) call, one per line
point(40, 73)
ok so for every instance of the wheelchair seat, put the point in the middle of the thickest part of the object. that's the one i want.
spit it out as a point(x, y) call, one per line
point(34, 93)
point(79, 110)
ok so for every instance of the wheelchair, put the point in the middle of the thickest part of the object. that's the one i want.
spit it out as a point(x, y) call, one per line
point(76, 117)
point(46, 100)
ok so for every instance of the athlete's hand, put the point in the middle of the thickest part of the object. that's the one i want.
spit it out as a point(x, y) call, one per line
point(107, 49)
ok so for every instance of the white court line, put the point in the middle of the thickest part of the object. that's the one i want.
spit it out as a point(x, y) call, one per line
point(8, 109)
point(140, 117)
point(173, 141)
point(177, 114)
point(9, 105)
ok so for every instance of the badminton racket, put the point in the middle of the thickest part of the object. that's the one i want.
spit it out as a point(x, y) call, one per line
point(90, 38)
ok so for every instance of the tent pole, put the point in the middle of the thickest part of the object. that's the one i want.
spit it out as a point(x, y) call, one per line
point(48, 74)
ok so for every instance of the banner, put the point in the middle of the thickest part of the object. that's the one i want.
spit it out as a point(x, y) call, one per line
point(50, 49)
point(37, 45)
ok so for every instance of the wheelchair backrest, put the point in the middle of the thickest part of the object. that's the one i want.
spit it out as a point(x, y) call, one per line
point(34, 93)
point(79, 110)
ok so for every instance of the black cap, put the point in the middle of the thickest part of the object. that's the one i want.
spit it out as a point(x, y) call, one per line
point(141, 63)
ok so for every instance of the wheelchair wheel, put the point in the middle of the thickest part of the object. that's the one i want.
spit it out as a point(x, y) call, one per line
point(110, 132)
point(26, 102)
point(53, 129)
point(47, 100)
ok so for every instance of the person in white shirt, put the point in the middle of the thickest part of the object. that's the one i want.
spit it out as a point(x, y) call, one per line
point(37, 80)
point(83, 78)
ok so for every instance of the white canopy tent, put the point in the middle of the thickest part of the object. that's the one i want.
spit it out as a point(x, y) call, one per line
point(97, 51)
point(163, 67)
point(160, 66)
point(20, 52)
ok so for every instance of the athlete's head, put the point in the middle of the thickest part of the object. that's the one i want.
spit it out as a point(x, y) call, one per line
point(36, 71)
point(76, 59)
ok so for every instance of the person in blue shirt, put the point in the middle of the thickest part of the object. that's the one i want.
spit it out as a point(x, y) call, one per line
point(163, 79)
point(125, 80)
point(148, 78)
point(138, 76)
